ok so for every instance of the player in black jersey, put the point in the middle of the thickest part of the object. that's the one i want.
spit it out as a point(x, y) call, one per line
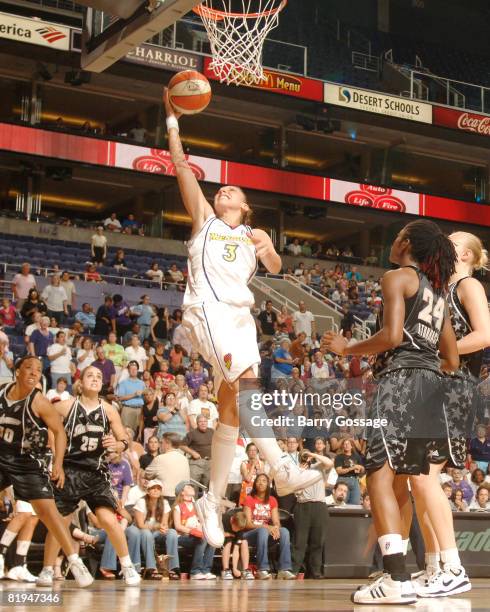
point(93, 427)
point(413, 333)
point(470, 319)
point(25, 418)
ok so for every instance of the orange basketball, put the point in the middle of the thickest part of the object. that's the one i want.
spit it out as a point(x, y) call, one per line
point(189, 92)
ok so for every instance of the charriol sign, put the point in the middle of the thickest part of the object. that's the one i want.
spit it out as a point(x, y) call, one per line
point(283, 83)
point(167, 59)
point(373, 102)
point(34, 31)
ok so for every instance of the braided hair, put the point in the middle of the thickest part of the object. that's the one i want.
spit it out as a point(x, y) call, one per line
point(433, 251)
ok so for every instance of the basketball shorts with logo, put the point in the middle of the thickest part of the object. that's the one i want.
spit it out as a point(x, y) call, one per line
point(226, 337)
point(92, 487)
point(460, 407)
point(28, 476)
point(410, 403)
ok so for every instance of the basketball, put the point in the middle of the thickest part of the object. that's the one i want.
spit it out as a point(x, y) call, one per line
point(189, 92)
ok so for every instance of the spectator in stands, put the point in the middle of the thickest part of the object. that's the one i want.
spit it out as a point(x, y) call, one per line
point(249, 470)
point(320, 369)
point(36, 324)
point(151, 513)
point(349, 468)
point(145, 312)
point(306, 249)
point(152, 444)
point(458, 482)
point(7, 313)
point(154, 273)
point(34, 303)
point(280, 335)
point(59, 356)
point(135, 352)
point(264, 527)
point(148, 420)
point(347, 322)
point(164, 375)
point(85, 355)
point(196, 377)
point(347, 252)
point(268, 322)
point(374, 299)
point(170, 467)
point(91, 275)
point(116, 353)
point(40, 340)
point(6, 363)
point(304, 321)
point(160, 324)
point(130, 393)
point(297, 348)
point(137, 133)
point(123, 319)
point(190, 534)
point(353, 274)
point(339, 494)
point(98, 246)
point(234, 521)
point(60, 391)
point(121, 476)
point(112, 223)
point(130, 224)
point(105, 319)
point(372, 259)
point(119, 263)
point(21, 284)
point(457, 501)
point(477, 479)
point(107, 368)
point(479, 448)
point(202, 406)
point(56, 299)
point(294, 247)
point(480, 503)
point(133, 331)
point(86, 316)
point(176, 278)
point(197, 443)
point(70, 290)
point(170, 417)
point(284, 316)
point(283, 361)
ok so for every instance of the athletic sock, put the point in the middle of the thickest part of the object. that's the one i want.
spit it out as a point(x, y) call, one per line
point(223, 448)
point(73, 558)
point(393, 558)
point(390, 544)
point(7, 538)
point(432, 560)
point(21, 552)
point(125, 561)
point(450, 558)
point(405, 546)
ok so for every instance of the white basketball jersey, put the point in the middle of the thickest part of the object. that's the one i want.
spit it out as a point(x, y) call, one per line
point(222, 261)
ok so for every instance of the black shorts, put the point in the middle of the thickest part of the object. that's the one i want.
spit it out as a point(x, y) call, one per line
point(28, 476)
point(411, 403)
point(94, 488)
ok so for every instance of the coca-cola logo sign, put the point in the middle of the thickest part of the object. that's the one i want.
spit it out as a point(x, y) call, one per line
point(160, 162)
point(371, 196)
point(474, 123)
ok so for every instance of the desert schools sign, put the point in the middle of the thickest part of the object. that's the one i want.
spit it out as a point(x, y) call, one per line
point(34, 31)
point(372, 102)
point(167, 59)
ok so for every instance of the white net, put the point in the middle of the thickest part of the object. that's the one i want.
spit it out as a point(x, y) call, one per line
point(237, 35)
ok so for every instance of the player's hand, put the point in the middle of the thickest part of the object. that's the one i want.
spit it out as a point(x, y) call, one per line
point(263, 244)
point(109, 441)
point(169, 109)
point(58, 475)
point(335, 343)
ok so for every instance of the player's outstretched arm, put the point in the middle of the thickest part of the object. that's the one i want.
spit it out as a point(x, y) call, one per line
point(194, 201)
point(266, 251)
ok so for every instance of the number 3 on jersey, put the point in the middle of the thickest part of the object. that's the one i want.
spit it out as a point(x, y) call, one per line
point(432, 314)
point(230, 252)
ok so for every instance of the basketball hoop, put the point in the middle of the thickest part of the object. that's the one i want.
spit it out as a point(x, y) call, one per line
point(237, 39)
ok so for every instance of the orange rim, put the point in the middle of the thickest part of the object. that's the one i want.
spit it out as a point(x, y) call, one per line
point(219, 15)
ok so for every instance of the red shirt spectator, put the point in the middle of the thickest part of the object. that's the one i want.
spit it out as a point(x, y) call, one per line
point(7, 313)
point(261, 510)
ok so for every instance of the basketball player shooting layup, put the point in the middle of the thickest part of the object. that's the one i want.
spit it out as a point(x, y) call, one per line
point(223, 253)
point(25, 416)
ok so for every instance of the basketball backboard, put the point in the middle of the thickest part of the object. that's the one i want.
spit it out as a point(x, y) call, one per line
point(113, 27)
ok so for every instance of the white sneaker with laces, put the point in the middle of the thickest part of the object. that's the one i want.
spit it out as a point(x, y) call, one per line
point(130, 575)
point(384, 591)
point(421, 578)
point(450, 581)
point(208, 509)
point(82, 576)
point(210, 576)
point(289, 478)
point(227, 575)
point(20, 573)
point(45, 578)
point(198, 576)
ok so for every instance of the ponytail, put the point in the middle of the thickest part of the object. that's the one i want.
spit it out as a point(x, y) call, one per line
point(433, 251)
point(475, 245)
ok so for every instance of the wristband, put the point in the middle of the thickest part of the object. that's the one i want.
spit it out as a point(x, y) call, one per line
point(125, 444)
point(172, 123)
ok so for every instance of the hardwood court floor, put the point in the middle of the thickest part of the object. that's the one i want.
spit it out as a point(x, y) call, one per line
point(236, 596)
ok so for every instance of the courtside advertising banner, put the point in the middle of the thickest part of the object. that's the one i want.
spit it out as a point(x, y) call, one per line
point(374, 102)
point(34, 31)
point(462, 120)
point(372, 196)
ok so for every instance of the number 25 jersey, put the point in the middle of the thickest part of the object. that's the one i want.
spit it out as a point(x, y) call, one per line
point(425, 312)
point(222, 262)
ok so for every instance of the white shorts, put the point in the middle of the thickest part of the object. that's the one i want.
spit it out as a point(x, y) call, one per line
point(226, 337)
point(23, 506)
